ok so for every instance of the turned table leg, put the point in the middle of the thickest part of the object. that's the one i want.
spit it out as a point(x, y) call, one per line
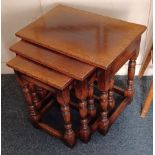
point(130, 82)
point(104, 122)
point(111, 100)
point(81, 91)
point(33, 113)
point(104, 86)
point(63, 99)
point(91, 104)
point(35, 97)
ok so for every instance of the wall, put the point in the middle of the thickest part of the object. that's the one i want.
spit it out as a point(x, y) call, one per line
point(17, 13)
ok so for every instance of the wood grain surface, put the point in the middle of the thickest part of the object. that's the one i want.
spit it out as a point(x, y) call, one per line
point(70, 67)
point(88, 37)
point(45, 75)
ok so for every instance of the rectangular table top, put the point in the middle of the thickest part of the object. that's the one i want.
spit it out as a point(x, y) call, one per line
point(88, 37)
point(61, 63)
point(40, 73)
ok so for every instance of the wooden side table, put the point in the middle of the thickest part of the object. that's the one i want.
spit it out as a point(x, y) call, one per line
point(97, 42)
point(103, 42)
point(27, 73)
point(81, 72)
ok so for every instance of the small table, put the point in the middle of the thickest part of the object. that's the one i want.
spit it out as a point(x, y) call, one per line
point(100, 41)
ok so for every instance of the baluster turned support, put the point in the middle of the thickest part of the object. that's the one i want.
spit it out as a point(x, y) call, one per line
point(63, 99)
point(91, 104)
point(104, 86)
point(104, 122)
point(35, 97)
point(130, 82)
point(33, 113)
point(81, 91)
point(111, 100)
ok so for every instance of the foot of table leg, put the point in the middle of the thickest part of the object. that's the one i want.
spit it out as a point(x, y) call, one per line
point(63, 100)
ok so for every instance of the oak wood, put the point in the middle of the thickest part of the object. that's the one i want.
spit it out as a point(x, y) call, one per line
point(81, 92)
point(91, 38)
point(101, 41)
point(118, 111)
point(40, 73)
point(50, 130)
point(38, 83)
point(63, 99)
point(130, 82)
point(111, 99)
point(27, 91)
point(119, 90)
point(58, 62)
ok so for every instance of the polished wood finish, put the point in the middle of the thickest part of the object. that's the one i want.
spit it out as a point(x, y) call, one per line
point(111, 100)
point(27, 90)
point(35, 112)
point(40, 73)
point(35, 97)
point(118, 111)
point(104, 122)
point(81, 91)
point(130, 82)
point(63, 99)
point(104, 85)
point(91, 38)
point(90, 49)
point(50, 130)
point(70, 67)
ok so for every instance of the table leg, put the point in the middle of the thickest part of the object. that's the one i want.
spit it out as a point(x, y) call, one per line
point(63, 99)
point(103, 85)
point(35, 97)
point(81, 92)
point(104, 122)
point(33, 113)
point(130, 82)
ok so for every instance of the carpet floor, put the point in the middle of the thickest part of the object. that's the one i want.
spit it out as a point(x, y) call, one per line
point(129, 135)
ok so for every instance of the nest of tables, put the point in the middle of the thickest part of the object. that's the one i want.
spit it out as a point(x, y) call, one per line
point(67, 59)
